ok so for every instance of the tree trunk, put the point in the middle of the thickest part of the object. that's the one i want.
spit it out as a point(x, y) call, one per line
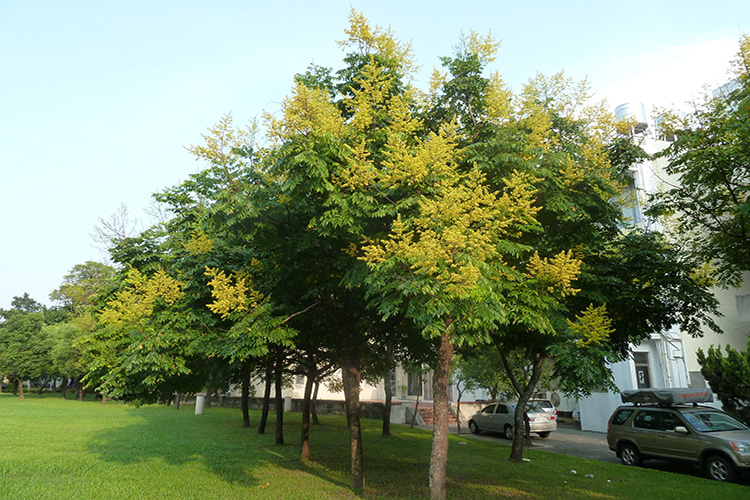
point(20, 389)
point(387, 405)
point(350, 375)
point(314, 405)
point(416, 406)
point(520, 417)
point(266, 399)
point(279, 400)
point(306, 414)
point(245, 400)
point(458, 412)
point(177, 400)
point(440, 397)
point(64, 387)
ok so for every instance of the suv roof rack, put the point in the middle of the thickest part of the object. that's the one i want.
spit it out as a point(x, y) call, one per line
point(668, 396)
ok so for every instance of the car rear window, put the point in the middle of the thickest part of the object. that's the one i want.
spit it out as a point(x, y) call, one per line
point(621, 416)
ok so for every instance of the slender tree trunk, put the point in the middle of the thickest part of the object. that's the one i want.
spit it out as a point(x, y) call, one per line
point(314, 405)
point(64, 387)
point(458, 412)
point(20, 389)
point(266, 398)
point(209, 391)
point(520, 417)
point(416, 406)
point(351, 377)
point(245, 400)
point(279, 400)
point(440, 398)
point(309, 383)
point(387, 405)
point(177, 400)
point(388, 390)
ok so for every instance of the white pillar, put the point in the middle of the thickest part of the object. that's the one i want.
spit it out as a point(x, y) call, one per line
point(199, 404)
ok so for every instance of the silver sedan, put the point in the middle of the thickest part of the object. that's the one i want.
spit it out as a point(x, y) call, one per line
point(499, 417)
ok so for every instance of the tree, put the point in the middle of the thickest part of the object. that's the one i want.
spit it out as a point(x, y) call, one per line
point(81, 286)
point(24, 347)
point(709, 193)
point(729, 377)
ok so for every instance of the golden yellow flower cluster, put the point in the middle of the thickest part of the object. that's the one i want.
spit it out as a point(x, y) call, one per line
point(592, 327)
point(559, 272)
point(231, 293)
point(137, 300)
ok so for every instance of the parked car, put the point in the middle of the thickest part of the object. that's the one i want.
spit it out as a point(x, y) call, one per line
point(499, 417)
point(545, 404)
point(670, 424)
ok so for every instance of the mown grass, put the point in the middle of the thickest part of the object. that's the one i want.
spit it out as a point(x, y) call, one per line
point(61, 449)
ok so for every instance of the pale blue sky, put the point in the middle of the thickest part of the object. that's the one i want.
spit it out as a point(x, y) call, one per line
point(99, 99)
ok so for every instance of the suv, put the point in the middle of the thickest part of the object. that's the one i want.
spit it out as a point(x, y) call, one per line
point(669, 424)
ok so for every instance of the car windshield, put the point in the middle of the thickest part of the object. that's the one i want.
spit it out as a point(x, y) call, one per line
point(712, 421)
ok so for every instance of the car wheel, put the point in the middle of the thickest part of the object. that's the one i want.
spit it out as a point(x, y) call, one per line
point(720, 469)
point(544, 434)
point(509, 432)
point(473, 427)
point(630, 455)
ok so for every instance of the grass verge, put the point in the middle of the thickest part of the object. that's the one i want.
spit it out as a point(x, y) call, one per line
point(62, 450)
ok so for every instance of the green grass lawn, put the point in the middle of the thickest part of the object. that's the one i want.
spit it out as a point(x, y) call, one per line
point(61, 449)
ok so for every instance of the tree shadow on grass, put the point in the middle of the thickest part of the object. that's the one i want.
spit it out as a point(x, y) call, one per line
point(215, 441)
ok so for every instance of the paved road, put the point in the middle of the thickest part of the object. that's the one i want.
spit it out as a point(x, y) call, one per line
point(570, 440)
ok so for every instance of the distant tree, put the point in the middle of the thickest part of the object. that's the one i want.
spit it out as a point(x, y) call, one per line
point(24, 347)
point(82, 285)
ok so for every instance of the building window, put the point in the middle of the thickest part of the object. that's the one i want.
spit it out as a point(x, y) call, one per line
point(642, 371)
point(743, 307)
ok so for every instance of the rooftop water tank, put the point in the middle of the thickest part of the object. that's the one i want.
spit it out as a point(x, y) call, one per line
point(633, 110)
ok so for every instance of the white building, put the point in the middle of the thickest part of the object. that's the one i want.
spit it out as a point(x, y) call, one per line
point(667, 359)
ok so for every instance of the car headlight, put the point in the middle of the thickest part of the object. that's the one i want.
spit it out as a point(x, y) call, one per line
point(740, 446)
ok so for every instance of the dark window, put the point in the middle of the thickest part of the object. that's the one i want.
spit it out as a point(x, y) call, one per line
point(621, 416)
point(647, 419)
point(642, 372)
point(668, 421)
point(502, 409)
point(489, 409)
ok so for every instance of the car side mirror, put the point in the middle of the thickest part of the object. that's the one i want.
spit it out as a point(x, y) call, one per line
point(681, 429)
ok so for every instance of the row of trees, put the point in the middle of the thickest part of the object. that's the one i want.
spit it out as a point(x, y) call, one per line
point(379, 224)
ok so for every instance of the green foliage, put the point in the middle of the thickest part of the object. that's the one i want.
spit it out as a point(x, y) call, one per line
point(728, 375)
point(24, 345)
point(81, 286)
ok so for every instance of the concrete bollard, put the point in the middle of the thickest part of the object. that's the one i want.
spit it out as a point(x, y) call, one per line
point(199, 404)
point(287, 404)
